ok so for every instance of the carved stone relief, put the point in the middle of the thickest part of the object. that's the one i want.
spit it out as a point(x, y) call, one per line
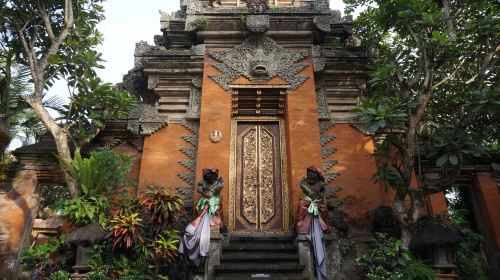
point(257, 6)
point(191, 151)
point(259, 59)
point(257, 23)
point(153, 81)
point(332, 22)
point(195, 99)
point(319, 61)
point(326, 151)
point(199, 50)
point(322, 105)
point(145, 120)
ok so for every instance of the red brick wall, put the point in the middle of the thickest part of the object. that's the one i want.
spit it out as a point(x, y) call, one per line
point(161, 154)
point(489, 198)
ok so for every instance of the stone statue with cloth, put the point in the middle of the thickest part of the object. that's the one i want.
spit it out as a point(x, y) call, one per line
point(311, 217)
point(195, 242)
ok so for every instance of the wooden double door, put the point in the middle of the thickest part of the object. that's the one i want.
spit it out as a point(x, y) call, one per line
point(259, 198)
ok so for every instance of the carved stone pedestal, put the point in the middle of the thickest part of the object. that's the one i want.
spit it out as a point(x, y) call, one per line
point(306, 255)
point(213, 259)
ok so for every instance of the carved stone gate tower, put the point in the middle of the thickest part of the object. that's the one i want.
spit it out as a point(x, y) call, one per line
point(252, 88)
point(260, 90)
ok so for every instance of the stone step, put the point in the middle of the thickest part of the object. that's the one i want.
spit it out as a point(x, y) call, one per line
point(258, 257)
point(262, 276)
point(260, 246)
point(253, 239)
point(259, 268)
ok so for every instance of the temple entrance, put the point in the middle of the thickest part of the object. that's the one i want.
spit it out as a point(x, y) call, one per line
point(259, 194)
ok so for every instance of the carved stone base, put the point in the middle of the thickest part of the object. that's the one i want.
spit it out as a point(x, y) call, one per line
point(213, 258)
point(306, 254)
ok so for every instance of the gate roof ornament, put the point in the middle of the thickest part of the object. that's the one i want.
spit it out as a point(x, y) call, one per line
point(145, 120)
point(260, 59)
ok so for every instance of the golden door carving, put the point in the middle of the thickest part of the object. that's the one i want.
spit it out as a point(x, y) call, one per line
point(259, 190)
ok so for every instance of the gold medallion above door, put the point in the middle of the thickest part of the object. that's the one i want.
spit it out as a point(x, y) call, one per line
point(259, 195)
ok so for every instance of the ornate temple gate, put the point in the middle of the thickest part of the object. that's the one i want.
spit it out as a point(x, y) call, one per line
point(258, 191)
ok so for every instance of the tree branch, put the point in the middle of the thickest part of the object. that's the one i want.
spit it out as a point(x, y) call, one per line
point(54, 47)
point(29, 55)
point(449, 18)
point(46, 21)
point(449, 77)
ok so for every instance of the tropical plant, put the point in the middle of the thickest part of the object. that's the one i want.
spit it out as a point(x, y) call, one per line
point(84, 210)
point(161, 208)
point(102, 171)
point(98, 275)
point(126, 231)
point(389, 260)
point(42, 259)
point(433, 90)
point(60, 275)
point(467, 256)
point(96, 175)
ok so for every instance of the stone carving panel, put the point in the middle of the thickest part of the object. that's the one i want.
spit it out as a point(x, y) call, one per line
point(191, 151)
point(258, 23)
point(319, 61)
point(257, 6)
point(145, 120)
point(322, 105)
point(195, 99)
point(326, 150)
point(259, 59)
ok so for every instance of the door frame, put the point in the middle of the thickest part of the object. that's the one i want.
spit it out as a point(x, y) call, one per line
point(233, 172)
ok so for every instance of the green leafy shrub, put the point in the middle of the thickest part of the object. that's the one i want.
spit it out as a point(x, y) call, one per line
point(161, 208)
point(390, 261)
point(126, 231)
point(102, 172)
point(467, 257)
point(44, 259)
point(60, 275)
point(41, 254)
point(98, 275)
point(84, 210)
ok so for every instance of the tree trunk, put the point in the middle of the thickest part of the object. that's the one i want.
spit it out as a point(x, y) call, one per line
point(401, 214)
point(61, 140)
